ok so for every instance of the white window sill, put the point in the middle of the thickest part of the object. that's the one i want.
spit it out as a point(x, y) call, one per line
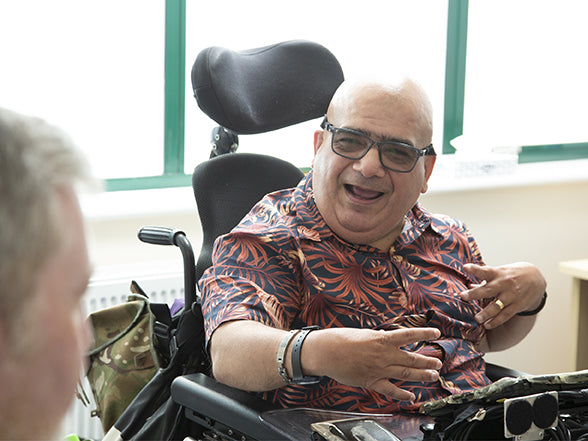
point(138, 203)
point(444, 180)
point(180, 201)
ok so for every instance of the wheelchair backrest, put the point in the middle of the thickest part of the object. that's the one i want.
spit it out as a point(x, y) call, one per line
point(250, 92)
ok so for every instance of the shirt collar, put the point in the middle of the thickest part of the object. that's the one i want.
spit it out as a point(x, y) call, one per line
point(312, 226)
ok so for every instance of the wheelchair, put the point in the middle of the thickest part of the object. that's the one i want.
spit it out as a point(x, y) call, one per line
point(251, 92)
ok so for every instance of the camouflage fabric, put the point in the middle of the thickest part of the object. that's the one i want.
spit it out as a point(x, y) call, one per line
point(122, 360)
point(510, 388)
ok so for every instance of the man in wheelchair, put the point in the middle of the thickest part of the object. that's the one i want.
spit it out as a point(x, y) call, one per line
point(344, 293)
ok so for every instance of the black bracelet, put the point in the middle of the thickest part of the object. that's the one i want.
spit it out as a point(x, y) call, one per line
point(297, 374)
point(537, 309)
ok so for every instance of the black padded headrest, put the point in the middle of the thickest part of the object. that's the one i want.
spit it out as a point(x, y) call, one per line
point(267, 88)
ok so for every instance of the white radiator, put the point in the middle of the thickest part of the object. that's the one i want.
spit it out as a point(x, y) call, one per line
point(162, 282)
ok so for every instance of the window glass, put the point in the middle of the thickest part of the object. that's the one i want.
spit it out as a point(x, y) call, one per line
point(95, 68)
point(526, 74)
point(371, 37)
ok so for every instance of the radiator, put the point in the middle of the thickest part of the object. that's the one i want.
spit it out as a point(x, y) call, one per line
point(162, 282)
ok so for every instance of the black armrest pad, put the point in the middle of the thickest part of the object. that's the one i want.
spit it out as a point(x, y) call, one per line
point(229, 406)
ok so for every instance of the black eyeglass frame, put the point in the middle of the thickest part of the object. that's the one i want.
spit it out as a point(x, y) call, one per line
point(427, 151)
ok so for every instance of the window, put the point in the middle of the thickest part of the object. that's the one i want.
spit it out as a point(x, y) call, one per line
point(526, 77)
point(115, 73)
point(94, 68)
point(375, 38)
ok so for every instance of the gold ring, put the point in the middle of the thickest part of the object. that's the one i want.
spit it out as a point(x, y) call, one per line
point(499, 304)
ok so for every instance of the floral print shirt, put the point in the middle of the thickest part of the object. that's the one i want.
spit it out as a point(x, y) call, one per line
point(284, 267)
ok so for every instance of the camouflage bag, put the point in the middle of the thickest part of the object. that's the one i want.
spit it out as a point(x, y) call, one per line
point(123, 358)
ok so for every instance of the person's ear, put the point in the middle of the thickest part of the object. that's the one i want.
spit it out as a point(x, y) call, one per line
point(429, 165)
point(319, 137)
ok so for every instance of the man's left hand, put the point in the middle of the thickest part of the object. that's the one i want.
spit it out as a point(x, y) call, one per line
point(505, 290)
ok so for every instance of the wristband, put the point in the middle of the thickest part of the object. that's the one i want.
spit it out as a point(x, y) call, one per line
point(282, 351)
point(537, 309)
point(297, 374)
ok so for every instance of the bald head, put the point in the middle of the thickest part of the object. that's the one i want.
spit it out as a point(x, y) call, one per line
point(401, 98)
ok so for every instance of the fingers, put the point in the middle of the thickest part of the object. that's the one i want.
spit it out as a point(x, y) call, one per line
point(479, 271)
point(495, 314)
point(400, 372)
point(481, 290)
point(499, 308)
point(414, 367)
point(367, 358)
point(403, 337)
point(409, 365)
point(405, 365)
point(508, 289)
point(385, 387)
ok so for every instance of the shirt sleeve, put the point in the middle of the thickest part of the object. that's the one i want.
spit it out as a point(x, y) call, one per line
point(251, 279)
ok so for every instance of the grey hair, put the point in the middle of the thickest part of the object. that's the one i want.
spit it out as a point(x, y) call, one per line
point(36, 161)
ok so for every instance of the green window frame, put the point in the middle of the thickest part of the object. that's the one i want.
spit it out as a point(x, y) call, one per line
point(455, 73)
point(174, 101)
point(174, 105)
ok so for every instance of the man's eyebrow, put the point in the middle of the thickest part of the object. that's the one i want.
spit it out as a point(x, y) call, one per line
point(379, 137)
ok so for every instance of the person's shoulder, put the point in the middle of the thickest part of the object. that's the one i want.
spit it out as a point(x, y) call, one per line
point(274, 215)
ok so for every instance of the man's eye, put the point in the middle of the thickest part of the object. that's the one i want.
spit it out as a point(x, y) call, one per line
point(349, 141)
point(398, 153)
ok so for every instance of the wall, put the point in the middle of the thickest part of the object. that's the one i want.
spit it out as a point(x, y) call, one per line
point(541, 223)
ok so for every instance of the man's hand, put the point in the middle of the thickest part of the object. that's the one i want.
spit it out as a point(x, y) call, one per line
point(244, 356)
point(369, 359)
point(509, 289)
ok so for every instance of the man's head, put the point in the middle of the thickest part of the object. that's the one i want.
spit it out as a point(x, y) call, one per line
point(44, 271)
point(361, 200)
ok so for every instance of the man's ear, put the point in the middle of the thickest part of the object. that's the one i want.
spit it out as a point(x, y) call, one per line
point(319, 136)
point(429, 166)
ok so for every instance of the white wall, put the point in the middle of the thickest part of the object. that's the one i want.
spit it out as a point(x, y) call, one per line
point(544, 223)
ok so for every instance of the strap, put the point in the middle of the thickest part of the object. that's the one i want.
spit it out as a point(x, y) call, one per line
point(131, 325)
point(297, 374)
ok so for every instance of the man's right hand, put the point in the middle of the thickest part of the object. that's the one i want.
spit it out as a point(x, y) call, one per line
point(369, 359)
point(244, 356)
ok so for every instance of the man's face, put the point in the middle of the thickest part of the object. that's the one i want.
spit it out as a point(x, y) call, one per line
point(361, 201)
point(43, 377)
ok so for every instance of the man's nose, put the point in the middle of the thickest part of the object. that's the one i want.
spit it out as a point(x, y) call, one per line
point(370, 165)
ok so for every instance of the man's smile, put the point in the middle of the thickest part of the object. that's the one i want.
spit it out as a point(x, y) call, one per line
point(362, 193)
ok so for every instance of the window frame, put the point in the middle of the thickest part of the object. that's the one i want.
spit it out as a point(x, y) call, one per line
point(174, 101)
point(174, 108)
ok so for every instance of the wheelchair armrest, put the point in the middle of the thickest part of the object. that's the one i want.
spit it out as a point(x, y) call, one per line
point(215, 405)
point(495, 372)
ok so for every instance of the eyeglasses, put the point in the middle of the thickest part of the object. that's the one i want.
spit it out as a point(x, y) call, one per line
point(394, 155)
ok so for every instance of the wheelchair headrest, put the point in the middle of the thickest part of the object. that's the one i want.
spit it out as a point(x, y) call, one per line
point(268, 88)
